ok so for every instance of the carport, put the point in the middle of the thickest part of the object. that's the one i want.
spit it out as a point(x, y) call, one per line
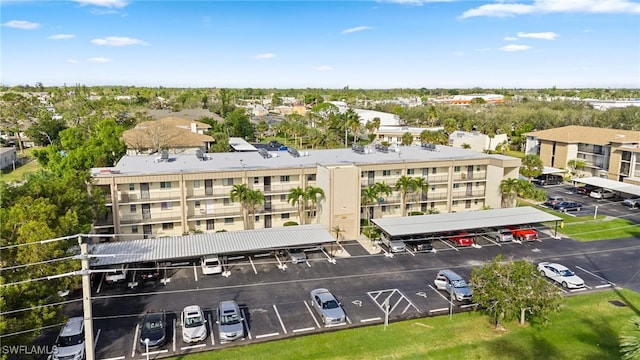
point(616, 186)
point(440, 223)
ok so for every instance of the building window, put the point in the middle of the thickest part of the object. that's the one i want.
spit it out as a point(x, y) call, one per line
point(478, 168)
point(433, 188)
point(456, 186)
point(284, 216)
point(284, 178)
point(197, 204)
point(165, 185)
point(228, 220)
point(456, 169)
point(167, 226)
point(477, 184)
point(425, 172)
point(311, 177)
point(411, 171)
point(132, 208)
point(132, 187)
point(227, 182)
point(198, 222)
point(210, 224)
point(283, 198)
point(455, 203)
point(226, 201)
point(166, 205)
point(386, 172)
point(467, 204)
point(134, 229)
point(384, 208)
point(433, 171)
point(256, 180)
point(257, 217)
point(196, 183)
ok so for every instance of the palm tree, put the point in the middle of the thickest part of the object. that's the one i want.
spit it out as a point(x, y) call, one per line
point(630, 342)
point(368, 197)
point(509, 189)
point(249, 201)
point(297, 197)
point(576, 164)
point(405, 185)
point(381, 189)
point(407, 139)
point(422, 187)
point(532, 166)
point(254, 199)
point(315, 195)
point(353, 123)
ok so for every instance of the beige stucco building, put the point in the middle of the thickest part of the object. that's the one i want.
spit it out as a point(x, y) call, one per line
point(186, 194)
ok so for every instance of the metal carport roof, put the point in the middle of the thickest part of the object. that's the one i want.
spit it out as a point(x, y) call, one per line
point(436, 223)
point(548, 170)
point(194, 246)
point(610, 185)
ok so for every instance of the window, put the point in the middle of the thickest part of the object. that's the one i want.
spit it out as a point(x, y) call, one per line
point(165, 185)
point(134, 229)
point(256, 180)
point(425, 172)
point(384, 208)
point(132, 208)
point(132, 187)
point(196, 183)
point(478, 168)
point(283, 198)
point(228, 220)
point(210, 224)
point(467, 204)
point(226, 201)
point(167, 226)
point(198, 223)
point(166, 205)
point(456, 186)
point(284, 216)
point(433, 188)
point(284, 178)
point(455, 203)
point(197, 204)
point(227, 182)
point(386, 172)
point(477, 184)
point(411, 171)
point(456, 168)
point(433, 170)
point(311, 177)
point(257, 217)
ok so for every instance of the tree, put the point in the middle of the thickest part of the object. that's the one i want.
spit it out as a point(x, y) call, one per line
point(238, 124)
point(407, 139)
point(630, 341)
point(381, 188)
point(368, 197)
point(405, 185)
point(315, 195)
point(297, 197)
point(15, 112)
point(576, 164)
point(506, 290)
point(421, 187)
point(466, 146)
point(531, 166)
point(249, 200)
point(509, 191)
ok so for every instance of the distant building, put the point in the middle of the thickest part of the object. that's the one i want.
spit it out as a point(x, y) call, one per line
point(7, 157)
point(171, 133)
point(393, 134)
point(386, 119)
point(467, 99)
point(476, 140)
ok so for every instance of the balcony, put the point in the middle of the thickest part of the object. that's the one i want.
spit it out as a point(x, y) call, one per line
point(216, 213)
point(148, 218)
point(278, 188)
point(477, 175)
point(104, 221)
point(437, 179)
point(155, 195)
point(468, 194)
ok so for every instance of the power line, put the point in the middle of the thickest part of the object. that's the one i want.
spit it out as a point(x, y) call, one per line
point(36, 263)
point(41, 242)
point(30, 330)
point(39, 307)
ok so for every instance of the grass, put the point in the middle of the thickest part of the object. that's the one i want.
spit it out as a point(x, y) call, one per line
point(587, 328)
point(29, 165)
point(602, 230)
point(567, 219)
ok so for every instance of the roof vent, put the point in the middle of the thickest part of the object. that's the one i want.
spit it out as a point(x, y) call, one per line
point(293, 152)
point(200, 155)
point(264, 153)
point(358, 148)
point(382, 148)
point(428, 146)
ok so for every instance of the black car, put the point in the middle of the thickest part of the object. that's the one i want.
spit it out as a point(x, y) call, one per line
point(154, 328)
point(567, 206)
point(586, 190)
point(420, 245)
point(148, 272)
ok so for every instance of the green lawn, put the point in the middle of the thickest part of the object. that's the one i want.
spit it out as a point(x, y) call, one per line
point(30, 165)
point(587, 328)
point(601, 230)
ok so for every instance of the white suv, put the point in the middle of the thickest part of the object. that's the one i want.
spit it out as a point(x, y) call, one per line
point(70, 342)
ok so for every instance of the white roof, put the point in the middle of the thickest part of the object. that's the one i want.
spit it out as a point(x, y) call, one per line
point(437, 223)
point(195, 246)
point(610, 185)
point(240, 144)
point(551, 170)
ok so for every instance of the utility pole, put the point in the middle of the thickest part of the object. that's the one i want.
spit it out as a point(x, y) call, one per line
point(86, 298)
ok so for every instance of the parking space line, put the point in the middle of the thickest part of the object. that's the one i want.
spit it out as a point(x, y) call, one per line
point(576, 290)
point(488, 239)
point(597, 276)
point(192, 347)
point(348, 320)
point(174, 335)
point(303, 329)
point(370, 319)
point(155, 352)
point(468, 305)
point(253, 265)
point(195, 272)
point(267, 335)
point(334, 325)
point(442, 296)
point(307, 262)
point(410, 252)
point(449, 245)
point(329, 258)
point(244, 321)
point(116, 358)
point(279, 318)
point(438, 309)
point(406, 308)
point(313, 316)
point(213, 340)
point(95, 341)
point(100, 284)
point(135, 336)
point(603, 286)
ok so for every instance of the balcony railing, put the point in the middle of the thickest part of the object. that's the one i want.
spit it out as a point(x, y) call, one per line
point(467, 194)
point(155, 195)
point(149, 218)
point(478, 175)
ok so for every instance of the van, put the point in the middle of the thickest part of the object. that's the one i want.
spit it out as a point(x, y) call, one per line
point(393, 245)
point(211, 265)
point(70, 342)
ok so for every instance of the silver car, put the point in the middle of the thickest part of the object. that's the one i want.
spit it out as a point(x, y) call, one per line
point(297, 256)
point(454, 284)
point(327, 306)
point(230, 326)
point(193, 324)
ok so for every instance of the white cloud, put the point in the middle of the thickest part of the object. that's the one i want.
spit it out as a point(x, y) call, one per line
point(356, 29)
point(118, 41)
point(22, 24)
point(514, 47)
point(104, 11)
point(540, 35)
point(72, 61)
point(104, 3)
point(61, 36)
point(503, 9)
point(510, 38)
point(265, 56)
point(323, 68)
point(99, 60)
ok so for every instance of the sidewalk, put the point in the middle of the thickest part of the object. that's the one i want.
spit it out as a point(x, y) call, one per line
point(368, 245)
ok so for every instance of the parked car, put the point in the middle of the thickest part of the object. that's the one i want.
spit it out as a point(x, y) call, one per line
point(586, 190)
point(602, 194)
point(154, 328)
point(567, 206)
point(394, 245)
point(552, 200)
point(547, 179)
point(420, 245)
point(633, 202)
point(148, 271)
point(117, 276)
point(461, 238)
point(211, 265)
point(69, 344)
point(499, 235)
point(454, 284)
point(560, 274)
point(327, 306)
point(230, 326)
point(523, 233)
point(297, 255)
point(193, 324)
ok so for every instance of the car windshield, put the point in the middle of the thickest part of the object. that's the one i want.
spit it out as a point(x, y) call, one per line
point(229, 319)
point(211, 263)
point(193, 321)
point(331, 304)
point(566, 272)
point(155, 325)
point(459, 284)
point(70, 340)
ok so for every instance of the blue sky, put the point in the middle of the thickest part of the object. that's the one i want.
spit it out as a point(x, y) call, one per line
point(328, 44)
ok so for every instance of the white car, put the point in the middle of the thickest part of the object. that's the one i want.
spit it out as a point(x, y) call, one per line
point(193, 324)
point(117, 276)
point(211, 265)
point(561, 274)
point(602, 194)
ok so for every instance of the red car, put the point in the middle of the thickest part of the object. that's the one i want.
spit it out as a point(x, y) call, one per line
point(461, 238)
point(523, 234)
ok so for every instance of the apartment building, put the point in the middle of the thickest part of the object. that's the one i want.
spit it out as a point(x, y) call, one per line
point(609, 153)
point(187, 193)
